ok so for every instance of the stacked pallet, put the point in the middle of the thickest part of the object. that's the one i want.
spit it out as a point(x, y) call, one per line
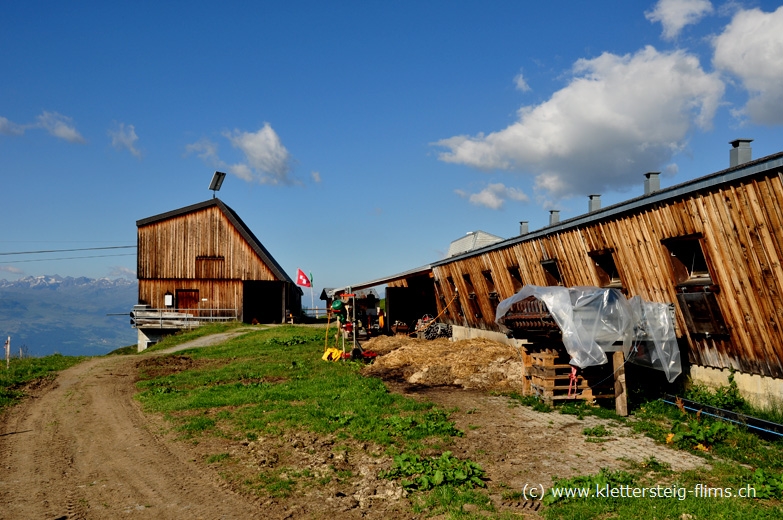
point(551, 379)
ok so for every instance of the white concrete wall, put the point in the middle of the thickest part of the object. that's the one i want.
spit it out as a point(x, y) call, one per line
point(760, 391)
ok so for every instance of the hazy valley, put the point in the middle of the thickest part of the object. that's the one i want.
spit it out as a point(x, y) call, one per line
point(48, 314)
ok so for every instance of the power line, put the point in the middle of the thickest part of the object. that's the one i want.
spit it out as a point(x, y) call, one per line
point(66, 250)
point(64, 258)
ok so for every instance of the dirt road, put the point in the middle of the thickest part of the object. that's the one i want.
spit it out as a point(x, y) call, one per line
point(83, 449)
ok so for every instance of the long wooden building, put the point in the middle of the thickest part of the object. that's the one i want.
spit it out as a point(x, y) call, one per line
point(204, 259)
point(711, 246)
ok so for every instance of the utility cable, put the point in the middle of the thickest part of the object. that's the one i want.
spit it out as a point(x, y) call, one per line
point(65, 250)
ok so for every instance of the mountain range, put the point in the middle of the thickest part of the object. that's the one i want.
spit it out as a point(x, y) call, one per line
point(72, 316)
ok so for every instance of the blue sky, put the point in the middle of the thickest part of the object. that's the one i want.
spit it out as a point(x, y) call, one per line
point(361, 138)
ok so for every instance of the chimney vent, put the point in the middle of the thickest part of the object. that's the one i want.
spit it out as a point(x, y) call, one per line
point(594, 203)
point(740, 152)
point(652, 182)
point(523, 228)
point(554, 216)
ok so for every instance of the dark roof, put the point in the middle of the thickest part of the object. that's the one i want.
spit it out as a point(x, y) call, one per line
point(678, 191)
point(380, 281)
point(237, 222)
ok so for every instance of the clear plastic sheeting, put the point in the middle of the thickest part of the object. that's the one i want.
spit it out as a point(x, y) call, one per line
point(594, 321)
point(655, 343)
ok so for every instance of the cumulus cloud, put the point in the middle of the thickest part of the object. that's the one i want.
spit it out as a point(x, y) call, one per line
point(267, 160)
point(494, 196)
point(674, 15)
point(60, 126)
point(619, 117)
point(123, 137)
point(751, 48)
point(10, 128)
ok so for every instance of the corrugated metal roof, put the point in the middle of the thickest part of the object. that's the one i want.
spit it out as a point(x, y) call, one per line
point(237, 222)
point(684, 189)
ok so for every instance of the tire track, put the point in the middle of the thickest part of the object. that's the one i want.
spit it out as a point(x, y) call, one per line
point(84, 449)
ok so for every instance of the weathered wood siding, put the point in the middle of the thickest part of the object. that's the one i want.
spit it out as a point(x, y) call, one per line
point(169, 249)
point(200, 250)
point(739, 227)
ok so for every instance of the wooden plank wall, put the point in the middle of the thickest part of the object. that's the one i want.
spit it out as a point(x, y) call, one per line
point(220, 294)
point(168, 249)
point(741, 230)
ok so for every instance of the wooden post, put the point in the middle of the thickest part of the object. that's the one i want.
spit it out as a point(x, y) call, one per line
point(620, 395)
point(8, 353)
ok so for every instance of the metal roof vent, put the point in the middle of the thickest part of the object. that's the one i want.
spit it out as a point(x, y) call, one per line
point(740, 152)
point(523, 227)
point(594, 203)
point(554, 216)
point(652, 182)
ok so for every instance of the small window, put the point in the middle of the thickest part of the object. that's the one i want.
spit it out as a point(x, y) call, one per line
point(475, 309)
point(516, 278)
point(489, 281)
point(552, 272)
point(688, 261)
point(606, 269)
point(468, 283)
point(492, 294)
point(696, 294)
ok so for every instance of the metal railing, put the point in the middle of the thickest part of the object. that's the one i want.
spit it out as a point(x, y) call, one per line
point(170, 318)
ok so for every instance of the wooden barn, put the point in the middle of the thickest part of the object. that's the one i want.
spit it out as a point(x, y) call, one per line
point(711, 246)
point(204, 261)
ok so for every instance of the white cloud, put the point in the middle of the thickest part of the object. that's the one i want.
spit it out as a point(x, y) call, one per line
point(10, 269)
point(619, 117)
point(205, 150)
point(10, 128)
point(268, 161)
point(60, 126)
point(316, 176)
point(125, 137)
point(520, 83)
point(751, 48)
point(494, 196)
point(674, 15)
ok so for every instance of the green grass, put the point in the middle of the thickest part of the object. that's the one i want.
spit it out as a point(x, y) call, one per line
point(25, 371)
point(272, 383)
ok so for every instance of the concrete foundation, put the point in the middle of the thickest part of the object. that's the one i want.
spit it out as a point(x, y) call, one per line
point(760, 391)
point(148, 337)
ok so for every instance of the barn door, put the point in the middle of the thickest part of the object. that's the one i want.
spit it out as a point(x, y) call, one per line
point(187, 299)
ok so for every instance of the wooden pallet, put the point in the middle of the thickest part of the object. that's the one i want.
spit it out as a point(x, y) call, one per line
point(560, 393)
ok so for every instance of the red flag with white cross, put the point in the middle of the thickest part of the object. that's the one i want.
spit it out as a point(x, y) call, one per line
point(302, 279)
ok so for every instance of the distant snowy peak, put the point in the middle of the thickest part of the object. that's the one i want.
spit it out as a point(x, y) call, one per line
point(55, 281)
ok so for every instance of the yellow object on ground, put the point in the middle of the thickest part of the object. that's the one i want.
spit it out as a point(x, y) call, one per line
point(332, 354)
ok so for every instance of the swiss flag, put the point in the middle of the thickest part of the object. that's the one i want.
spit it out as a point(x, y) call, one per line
point(302, 279)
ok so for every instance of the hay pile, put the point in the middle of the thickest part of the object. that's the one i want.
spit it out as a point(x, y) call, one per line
point(475, 363)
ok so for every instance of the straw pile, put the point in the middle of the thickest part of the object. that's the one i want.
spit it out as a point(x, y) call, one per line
point(475, 363)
